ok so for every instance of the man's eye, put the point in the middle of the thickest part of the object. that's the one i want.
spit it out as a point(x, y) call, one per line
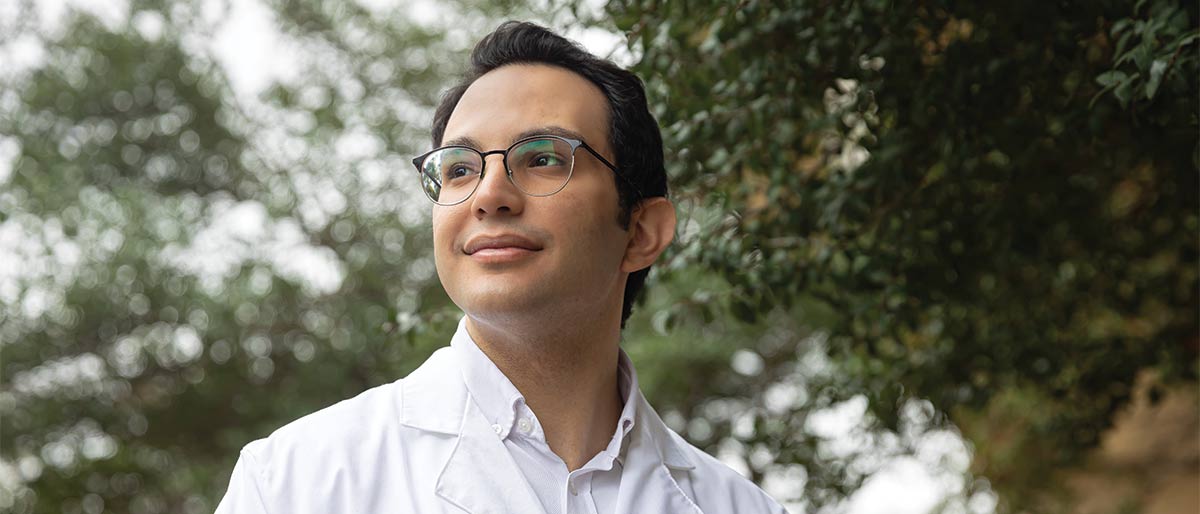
point(547, 160)
point(458, 171)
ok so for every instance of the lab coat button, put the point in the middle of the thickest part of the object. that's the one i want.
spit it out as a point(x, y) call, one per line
point(497, 429)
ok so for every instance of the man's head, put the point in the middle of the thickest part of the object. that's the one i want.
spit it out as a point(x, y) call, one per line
point(526, 80)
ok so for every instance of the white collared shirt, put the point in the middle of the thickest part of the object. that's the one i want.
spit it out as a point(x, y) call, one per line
point(591, 489)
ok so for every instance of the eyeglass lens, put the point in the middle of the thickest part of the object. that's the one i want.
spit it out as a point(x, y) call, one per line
point(539, 167)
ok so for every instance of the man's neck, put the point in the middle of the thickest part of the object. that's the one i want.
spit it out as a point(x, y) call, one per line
point(568, 375)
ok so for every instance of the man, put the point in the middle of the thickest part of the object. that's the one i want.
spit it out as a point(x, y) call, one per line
point(549, 207)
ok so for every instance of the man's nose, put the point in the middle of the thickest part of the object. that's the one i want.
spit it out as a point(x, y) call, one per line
point(496, 193)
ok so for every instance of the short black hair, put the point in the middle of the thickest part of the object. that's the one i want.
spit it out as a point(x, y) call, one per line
point(633, 132)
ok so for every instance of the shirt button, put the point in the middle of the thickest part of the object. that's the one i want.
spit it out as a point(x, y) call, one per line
point(524, 425)
point(497, 429)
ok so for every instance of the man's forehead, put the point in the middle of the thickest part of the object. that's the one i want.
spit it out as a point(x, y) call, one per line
point(519, 100)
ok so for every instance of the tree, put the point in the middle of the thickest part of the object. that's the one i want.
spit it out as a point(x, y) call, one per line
point(192, 270)
point(992, 206)
point(955, 215)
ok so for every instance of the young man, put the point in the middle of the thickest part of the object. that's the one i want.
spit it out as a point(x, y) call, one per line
point(549, 207)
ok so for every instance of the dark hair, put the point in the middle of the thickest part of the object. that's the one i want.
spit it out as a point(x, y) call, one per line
point(632, 131)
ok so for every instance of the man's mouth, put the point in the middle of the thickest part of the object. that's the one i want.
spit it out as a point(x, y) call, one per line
point(500, 244)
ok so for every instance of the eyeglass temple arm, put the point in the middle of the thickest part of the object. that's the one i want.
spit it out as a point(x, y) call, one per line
point(612, 167)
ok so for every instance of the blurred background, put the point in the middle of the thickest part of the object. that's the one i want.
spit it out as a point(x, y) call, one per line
point(932, 258)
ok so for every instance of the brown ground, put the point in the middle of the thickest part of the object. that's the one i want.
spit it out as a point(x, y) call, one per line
point(1149, 462)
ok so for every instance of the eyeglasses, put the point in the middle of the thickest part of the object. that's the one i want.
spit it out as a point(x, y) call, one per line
point(537, 166)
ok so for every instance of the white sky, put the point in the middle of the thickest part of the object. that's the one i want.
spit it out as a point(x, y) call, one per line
point(255, 54)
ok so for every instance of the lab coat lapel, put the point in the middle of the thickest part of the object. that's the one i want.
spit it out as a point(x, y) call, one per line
point(646, 481)
point(481, 476)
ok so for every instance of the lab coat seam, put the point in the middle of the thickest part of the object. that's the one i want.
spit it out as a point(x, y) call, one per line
point(674, 483)
point(256, 474)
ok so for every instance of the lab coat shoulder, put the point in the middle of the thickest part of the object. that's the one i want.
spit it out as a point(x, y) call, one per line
point(716, 487)
point(334, 459)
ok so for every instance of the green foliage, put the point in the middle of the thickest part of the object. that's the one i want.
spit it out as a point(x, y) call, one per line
point(162, 235)
point(989, 197)
point(1150, 46)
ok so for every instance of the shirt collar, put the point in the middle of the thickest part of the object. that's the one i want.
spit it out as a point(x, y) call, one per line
point(500, 401)
point(627, 384)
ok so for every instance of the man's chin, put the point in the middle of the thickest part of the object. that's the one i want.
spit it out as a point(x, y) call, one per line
point(499, 301)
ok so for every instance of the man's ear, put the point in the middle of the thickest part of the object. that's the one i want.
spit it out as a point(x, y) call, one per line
point(651, 229)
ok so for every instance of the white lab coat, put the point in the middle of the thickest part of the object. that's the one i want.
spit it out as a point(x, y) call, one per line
point(420, 445)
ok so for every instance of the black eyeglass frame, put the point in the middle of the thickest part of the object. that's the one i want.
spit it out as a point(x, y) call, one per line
point(575, 144)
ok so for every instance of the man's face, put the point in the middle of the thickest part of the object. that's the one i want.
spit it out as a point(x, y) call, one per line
point(505, 255)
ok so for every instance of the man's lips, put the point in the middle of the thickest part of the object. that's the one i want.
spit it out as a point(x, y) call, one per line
point(499, 242)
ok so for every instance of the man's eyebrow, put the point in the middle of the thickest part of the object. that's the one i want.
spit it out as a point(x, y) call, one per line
point(549, 130)
point(466, 141)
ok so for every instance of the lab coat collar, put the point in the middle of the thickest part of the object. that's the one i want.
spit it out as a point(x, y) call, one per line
point(670, 449)
point(647, 484)
point(481, 477)
point(433, 397)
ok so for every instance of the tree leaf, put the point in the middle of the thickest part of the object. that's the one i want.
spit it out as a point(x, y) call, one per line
point(1110, 78)
point(1124, 89)
point(1156, 74)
